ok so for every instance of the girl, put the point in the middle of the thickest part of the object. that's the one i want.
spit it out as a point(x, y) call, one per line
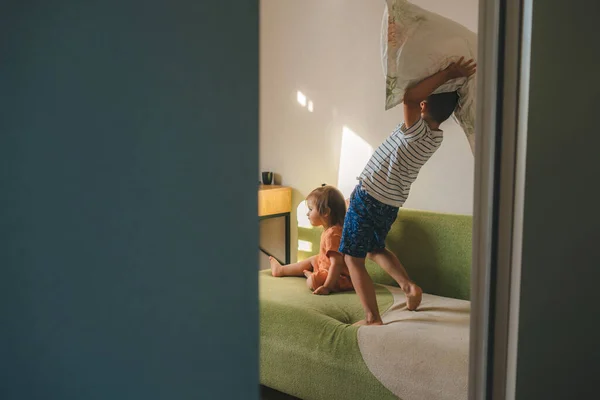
point(327, 271)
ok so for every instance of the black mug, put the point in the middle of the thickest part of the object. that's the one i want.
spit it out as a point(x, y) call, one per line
point(267, 178)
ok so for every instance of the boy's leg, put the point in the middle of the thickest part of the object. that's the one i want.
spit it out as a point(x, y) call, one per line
point(365, 289)
point(296, 269)
point(357, 239)
point(390, 264)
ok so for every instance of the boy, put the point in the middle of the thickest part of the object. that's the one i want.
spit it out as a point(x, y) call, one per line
point(385, 183)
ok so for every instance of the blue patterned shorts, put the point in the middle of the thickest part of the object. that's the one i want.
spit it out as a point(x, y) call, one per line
point(366, 225)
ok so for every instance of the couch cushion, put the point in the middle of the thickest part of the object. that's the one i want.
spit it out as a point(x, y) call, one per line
point(307, 338)
point(435, 248)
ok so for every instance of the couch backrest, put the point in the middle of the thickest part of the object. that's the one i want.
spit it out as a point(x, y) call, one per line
point(435, 249)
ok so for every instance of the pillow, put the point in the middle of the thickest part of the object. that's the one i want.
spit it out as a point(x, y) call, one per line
point(417, 43)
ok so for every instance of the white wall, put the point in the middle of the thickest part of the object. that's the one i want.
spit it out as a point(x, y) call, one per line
point(330, 51)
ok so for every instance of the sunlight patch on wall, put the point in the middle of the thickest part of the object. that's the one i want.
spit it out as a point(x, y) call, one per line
point(304, 101)
point(301, 98)
point(354, 155)
point(304, 245)
point(301, 212)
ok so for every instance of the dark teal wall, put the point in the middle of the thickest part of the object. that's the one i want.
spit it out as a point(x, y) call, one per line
point(128, 159)
point(559, 339)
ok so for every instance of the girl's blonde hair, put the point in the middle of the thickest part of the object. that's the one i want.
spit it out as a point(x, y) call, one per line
point(328, 200)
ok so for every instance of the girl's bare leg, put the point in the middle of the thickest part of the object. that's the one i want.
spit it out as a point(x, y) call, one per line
point(296, 269)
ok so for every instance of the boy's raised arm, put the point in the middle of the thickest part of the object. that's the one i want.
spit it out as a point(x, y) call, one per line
point(414, 95)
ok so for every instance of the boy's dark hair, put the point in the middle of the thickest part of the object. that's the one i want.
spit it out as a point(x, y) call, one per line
point(440, 106)
point(327, 199)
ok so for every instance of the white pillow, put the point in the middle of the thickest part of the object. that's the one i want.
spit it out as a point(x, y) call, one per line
point(417, 43)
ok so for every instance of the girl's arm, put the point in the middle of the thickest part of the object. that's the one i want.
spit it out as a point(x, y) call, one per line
point(335, 270)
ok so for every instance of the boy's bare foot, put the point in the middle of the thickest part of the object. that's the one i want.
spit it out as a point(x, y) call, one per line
point(363, 322)
point(276, 268)
point(371, 319)
point(413, 296)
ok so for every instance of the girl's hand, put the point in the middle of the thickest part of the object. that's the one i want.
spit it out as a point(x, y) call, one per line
point(461, 69)
point(322, 290)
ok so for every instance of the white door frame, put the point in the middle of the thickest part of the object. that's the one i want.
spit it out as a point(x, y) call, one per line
point(501, 132)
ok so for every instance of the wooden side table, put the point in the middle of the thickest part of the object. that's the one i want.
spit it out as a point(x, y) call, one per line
point(276, 201)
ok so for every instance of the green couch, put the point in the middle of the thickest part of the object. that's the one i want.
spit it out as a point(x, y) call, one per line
point(309, 349)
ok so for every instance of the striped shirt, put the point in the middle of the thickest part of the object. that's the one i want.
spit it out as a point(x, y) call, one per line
point(396, 163)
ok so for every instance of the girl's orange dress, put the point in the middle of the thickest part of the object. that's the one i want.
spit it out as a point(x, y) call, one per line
point(330, 243)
